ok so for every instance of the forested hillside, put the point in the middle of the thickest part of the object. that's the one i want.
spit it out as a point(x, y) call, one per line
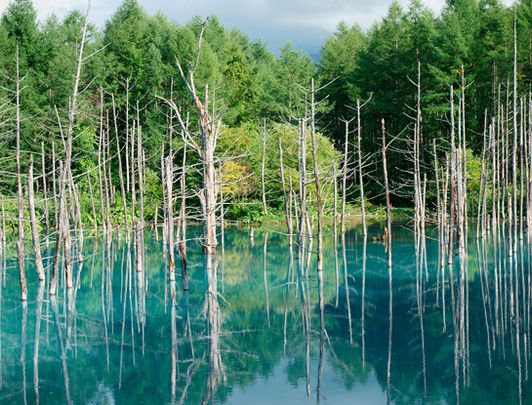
point(129, 72)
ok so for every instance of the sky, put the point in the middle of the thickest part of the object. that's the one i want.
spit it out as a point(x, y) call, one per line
point(305, 23)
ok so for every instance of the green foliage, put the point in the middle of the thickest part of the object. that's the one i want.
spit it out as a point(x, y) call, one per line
point(338, 64)
point(244, 173)
point(134, 59)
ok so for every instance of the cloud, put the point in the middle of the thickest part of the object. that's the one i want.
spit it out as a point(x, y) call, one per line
point(305, 23)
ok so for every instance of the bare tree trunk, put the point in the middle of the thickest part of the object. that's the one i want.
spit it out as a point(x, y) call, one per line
point(132, 184)
point(360, 171)
point(387, 194)
point(78, 222)
point(335, 232)
point(344, 178)
point(287, 210)
point(182, 221)
point(33, 221)
point(106, 179)
point(59, 236)
point(165, 200)
point(170, 217)
point(101, 158)
point(209, 130)
point(156, 221)
point(54, 187)
point(120, 172)
point(45, 193)
point(335, 201)
point(464, 149)
point(222, 221)
point(140, 225)
point(94, 218)
point(417, 170)
point(263, 170)
point(302, 188)
point(209, 136)
point(522, 151)
point(20, 240)
point(481, 228)
point(66, 174)
point(452, 198)
point(128, 182)
point(529, 171)
point(319, 204)
point(109, 161)
point(514, 152)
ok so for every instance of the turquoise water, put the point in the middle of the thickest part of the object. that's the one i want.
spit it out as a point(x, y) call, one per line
point(121, 337)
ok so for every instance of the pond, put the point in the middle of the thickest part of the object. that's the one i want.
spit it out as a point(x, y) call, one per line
point(432, 334)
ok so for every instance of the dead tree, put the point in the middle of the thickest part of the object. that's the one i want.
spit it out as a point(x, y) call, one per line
point(63, 235)
point(388, 233)
point(45, 193)
point(121, 175)
point(287, 208)
point(514, 151)
point(140, 223)
point(263, 170)
point(33, 222)
point(54, 187)
point(20, 240)
point(302, 171)
point(209, 131)
point(128, 175)
point(168, 176)
point(344, 178)
point(361, 169)
point(319, 204)
point(94, 219)
point(182, 219)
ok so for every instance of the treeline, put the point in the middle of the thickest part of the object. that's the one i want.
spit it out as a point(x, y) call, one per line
point(130, 69)
point(470, 45)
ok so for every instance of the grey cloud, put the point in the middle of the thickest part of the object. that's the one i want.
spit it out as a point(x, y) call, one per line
point(305, 23)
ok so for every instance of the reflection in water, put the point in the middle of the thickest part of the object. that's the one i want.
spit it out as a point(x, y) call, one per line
point(23, 348)
point(347, 293)
point(363, 304)
point(136, 337)
point(265, 273)
point(63, 353)
point(215, 366)
point(38, 316)
point(1, 318)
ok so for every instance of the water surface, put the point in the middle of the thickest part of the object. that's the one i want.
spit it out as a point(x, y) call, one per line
point(125, 338)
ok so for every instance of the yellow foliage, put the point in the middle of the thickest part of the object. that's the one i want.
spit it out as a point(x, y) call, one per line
point(238, 179)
